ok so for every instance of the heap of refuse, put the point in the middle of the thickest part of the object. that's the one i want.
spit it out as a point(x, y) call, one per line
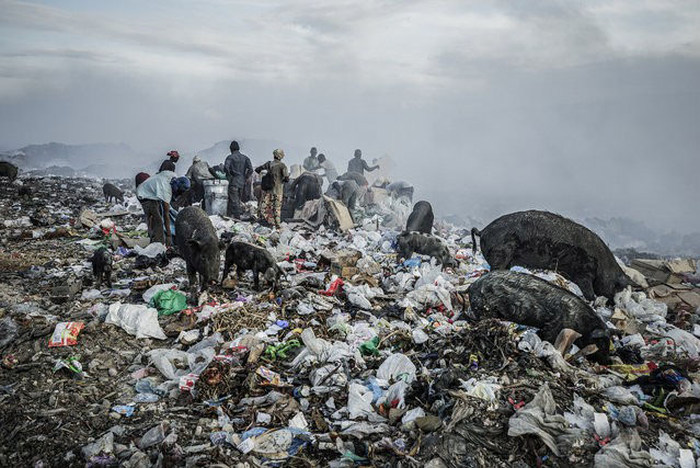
point(356, 360)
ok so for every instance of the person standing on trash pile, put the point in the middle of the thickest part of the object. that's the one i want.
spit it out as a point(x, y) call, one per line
point(311, 163)
point(359, 165)
point(329, 168)
point(198, 172)
point(238, 169)
point(173, 157)
point(272, 185)
point(155, 195)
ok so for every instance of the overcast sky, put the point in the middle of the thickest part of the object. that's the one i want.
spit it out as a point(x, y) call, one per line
point(582, 107)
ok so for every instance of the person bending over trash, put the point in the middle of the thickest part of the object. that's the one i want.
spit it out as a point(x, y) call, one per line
point(272, 186)
point(155, 195)
point(359, 165)
point(238, 169)
point(198, 172)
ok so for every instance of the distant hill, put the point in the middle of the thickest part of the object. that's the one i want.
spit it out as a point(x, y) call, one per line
point(101, 159)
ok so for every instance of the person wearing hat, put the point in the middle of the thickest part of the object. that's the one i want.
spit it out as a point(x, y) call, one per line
point(173, 157)
point(272, 185)
point(198, 172)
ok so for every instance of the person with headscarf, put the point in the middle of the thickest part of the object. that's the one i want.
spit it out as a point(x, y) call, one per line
point(238, 169)
point(173, 157)
point(272, 186)
point(198, 172)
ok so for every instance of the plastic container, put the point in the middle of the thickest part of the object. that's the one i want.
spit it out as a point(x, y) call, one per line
point(215, 196)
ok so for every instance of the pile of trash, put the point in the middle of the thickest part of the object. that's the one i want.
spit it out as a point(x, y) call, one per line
point(356, 360)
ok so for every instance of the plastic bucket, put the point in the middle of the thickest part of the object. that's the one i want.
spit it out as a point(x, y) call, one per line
point(215, 196)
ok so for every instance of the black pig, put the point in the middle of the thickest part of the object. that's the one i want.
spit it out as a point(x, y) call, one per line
point(538, 239)
point(112, 192)
point(102, 266)
point(250, 257)
point(532, 301)
point(8, 170)
point(424, 244)
point(421, 218)
point(198, 245)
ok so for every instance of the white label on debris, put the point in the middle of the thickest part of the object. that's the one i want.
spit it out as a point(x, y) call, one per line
point(246, 446)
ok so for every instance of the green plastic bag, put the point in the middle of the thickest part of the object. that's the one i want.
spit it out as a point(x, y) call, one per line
point(168, 302)
point(370, 347)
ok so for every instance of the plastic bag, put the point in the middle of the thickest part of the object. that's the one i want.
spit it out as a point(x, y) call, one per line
point(153, 290)
point(359, 401)
point(623, 450)
point(136, 320)
point(151, 250)
point(486, 389)
point(538, 418)
point(397, 366)
point(66, 334)
point(168, 302)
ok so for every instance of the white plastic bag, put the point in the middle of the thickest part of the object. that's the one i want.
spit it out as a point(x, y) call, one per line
point(151, 250)
point(397, 366)
point(359, 401)
point(136, 320)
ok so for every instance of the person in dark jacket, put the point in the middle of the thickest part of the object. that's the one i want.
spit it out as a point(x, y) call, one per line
point(238, 169)
point(173, 157)
point(359, 165)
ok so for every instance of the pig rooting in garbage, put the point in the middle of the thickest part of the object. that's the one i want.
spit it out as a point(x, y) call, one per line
point(421, 218)
point(409, 243)
point(198, 245)
point(250, 257)
point(529, 300)
point(538, 239)
point(8, 170)
point(112, 192)
point(102, 266)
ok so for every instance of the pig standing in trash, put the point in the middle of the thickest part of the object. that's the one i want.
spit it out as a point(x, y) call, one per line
point(112, 192)
point(421, 218)
point(538, 239)
point(8, 170)
point(198, 245)
point(102, 266)
point(528, 300)
point(250, 257)
point(410, 242)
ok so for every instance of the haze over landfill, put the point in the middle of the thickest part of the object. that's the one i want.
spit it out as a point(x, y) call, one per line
point(585, 108)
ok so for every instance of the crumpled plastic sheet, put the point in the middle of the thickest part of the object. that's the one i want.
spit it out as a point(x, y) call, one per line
point(320, 350)
point(151, 250)
point(136, 320)
point(623, 450)
point(539, 418)
point(427, 296)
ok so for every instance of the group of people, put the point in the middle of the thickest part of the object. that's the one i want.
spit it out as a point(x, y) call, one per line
point(159, 192)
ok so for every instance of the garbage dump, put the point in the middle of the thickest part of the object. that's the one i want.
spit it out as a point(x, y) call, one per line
point(347, 353)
